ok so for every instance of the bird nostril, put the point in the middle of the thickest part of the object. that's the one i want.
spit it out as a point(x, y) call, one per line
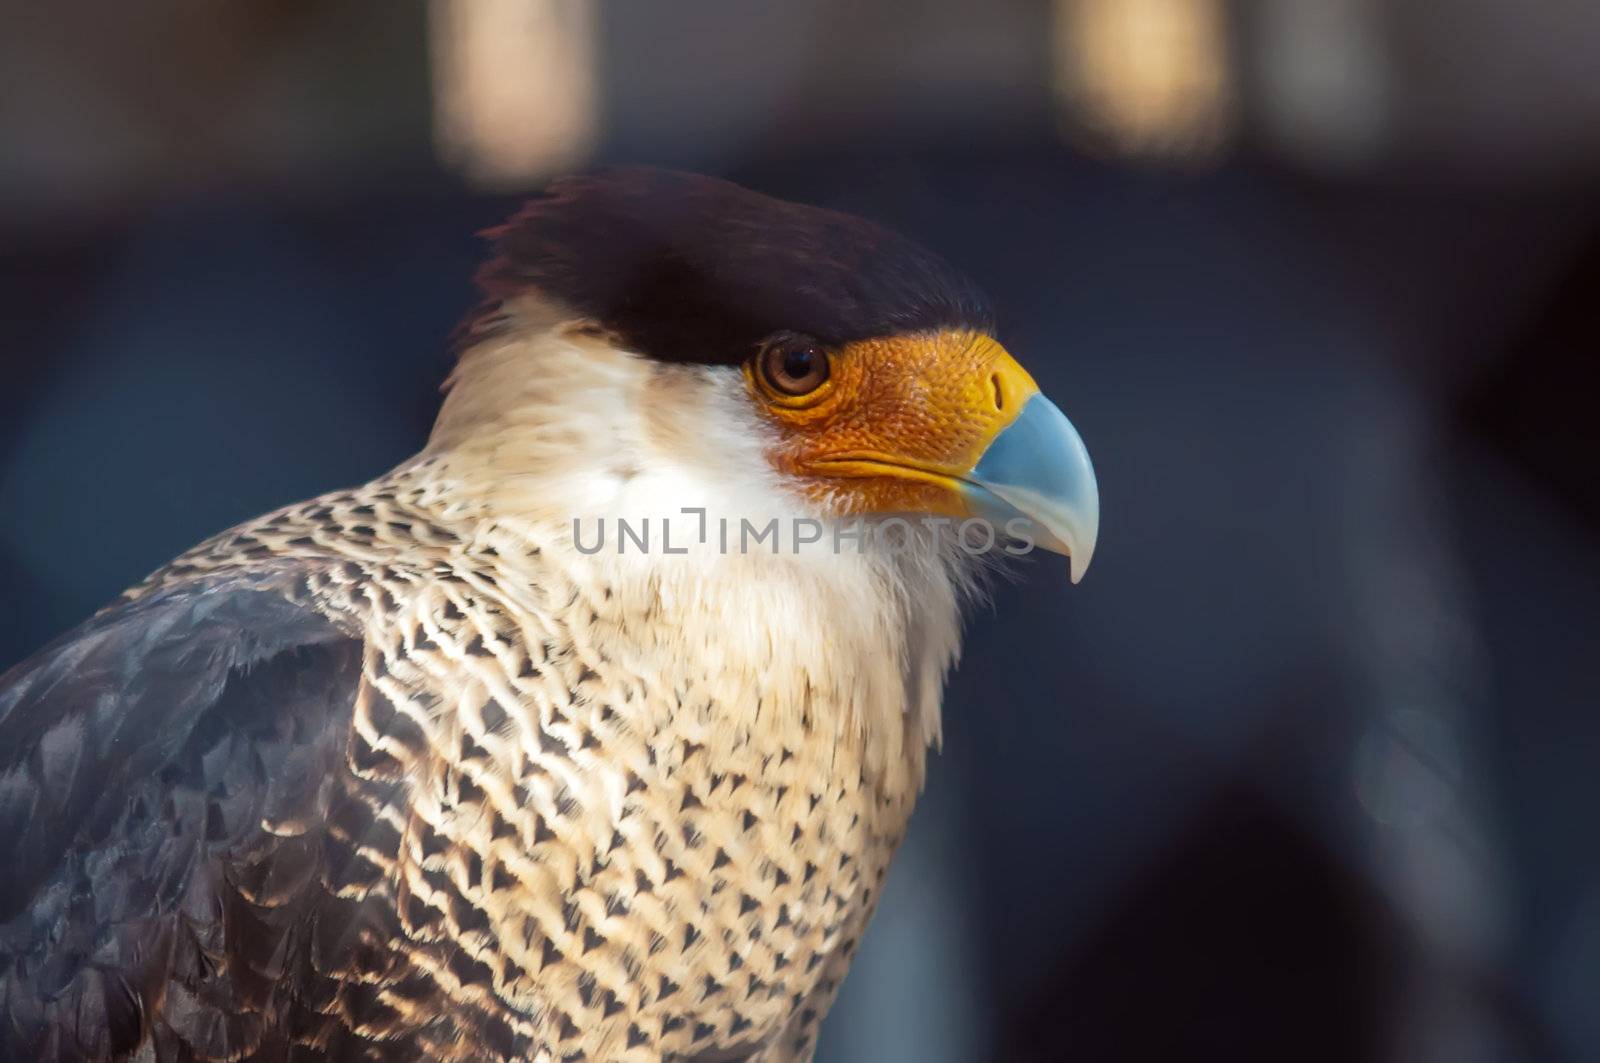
point(999, 393)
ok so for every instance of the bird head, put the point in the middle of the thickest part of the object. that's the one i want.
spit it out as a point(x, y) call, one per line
point(758, 340)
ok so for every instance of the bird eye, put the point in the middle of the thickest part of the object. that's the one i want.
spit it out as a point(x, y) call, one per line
point(794, 365)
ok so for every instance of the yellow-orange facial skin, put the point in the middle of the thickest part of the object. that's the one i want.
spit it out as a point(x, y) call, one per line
point(899, 423)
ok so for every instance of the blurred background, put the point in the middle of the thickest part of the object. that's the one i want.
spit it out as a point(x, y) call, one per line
point(1307, 769)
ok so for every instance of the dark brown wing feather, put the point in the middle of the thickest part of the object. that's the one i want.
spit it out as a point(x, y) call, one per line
point(139, 758)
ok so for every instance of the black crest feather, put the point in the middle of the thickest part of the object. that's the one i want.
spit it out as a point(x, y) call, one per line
point(687, 268)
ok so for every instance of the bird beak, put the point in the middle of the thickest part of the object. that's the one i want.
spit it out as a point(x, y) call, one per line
point(1035, 479)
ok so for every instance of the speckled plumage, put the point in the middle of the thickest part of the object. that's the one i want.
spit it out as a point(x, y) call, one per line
point(581, 859)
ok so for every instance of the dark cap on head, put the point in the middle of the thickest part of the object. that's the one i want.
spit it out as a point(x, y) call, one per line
point(688, 268)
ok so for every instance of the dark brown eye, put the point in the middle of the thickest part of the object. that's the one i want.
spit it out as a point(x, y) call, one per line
point(794, 365)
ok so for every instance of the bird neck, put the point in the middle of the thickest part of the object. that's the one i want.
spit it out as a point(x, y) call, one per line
point(858, 645)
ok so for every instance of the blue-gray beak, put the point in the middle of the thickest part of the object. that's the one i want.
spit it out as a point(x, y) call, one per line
point(1035, 481)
